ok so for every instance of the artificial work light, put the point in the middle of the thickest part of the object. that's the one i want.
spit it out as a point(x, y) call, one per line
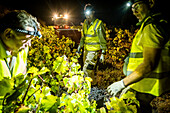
point(128, 4)
point(88, 12)
point(66, 16)
point(56, 16)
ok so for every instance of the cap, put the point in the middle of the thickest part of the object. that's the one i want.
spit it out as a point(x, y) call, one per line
point(88, 7)
point(144, 1)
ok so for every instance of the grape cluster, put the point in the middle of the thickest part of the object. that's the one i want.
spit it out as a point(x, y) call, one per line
point(99, 95)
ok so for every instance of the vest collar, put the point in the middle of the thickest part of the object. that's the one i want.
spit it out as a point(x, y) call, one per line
point(2, 51)
point(140, 23)
point(148, 18)
point(92, 22)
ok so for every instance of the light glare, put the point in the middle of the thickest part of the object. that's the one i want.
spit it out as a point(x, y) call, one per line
point(66, 16)
point(128, 4)
point(55, 16)
point(88, 12)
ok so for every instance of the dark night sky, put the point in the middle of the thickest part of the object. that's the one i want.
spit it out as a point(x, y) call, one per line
point(110, 11)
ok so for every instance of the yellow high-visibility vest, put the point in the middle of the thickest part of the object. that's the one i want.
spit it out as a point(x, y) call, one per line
point(91, 39)
point(19, 66)
point(157, 81)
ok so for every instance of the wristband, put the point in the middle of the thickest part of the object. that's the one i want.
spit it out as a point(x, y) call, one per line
point(123, 84)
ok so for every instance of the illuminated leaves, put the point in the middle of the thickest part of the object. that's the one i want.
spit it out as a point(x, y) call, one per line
point(60, 65)
point(119, 47)
point(77, 100)
point(23, 109)
point(55, 83)
point(127, 103)
point(6, 86)
point(35, 71)
point(46, 49)
point(63, 72)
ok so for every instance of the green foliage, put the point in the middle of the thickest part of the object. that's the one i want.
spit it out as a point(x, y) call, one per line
point(126, 104)
point(101, 110)
point(36, 72)
point(23, 90)
point(35, 97)
point(60, 65)
point(45, 50)
point(54, 82)
point(77, 100)
point(6, 85)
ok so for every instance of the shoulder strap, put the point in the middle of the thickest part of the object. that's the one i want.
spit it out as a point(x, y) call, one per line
point(162, 25)
point(97, 24)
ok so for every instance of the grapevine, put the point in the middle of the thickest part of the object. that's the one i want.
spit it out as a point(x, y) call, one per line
point(55, 83)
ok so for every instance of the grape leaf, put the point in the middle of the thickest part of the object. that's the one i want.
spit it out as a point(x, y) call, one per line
point(102, 110)
point(48, 102)
point(60, 65)
point(6, 85)
point(23, 109)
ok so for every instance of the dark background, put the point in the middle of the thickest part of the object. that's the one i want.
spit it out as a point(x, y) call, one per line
point(112, 12)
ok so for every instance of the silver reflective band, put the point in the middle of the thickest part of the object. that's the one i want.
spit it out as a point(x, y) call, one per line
point(154, 74)
point(96, 25)
point(92, 43)
point(136, 55)
point(90, 35)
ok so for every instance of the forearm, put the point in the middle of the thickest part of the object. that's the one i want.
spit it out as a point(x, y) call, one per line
point(81, 42)
point(138, 74)
point(151, 59)
point(102, 37)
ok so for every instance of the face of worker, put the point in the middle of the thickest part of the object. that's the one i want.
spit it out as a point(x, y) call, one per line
point(140, 10)
point(90, 15)
point(16, 41)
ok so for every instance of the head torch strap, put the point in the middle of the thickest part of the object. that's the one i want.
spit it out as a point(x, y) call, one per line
point(37, 33)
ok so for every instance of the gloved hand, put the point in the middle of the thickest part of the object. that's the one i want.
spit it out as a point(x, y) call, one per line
point(114, 88)
point(101, 58)
point(78, 50)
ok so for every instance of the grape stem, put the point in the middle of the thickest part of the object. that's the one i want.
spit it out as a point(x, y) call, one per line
point(27, 90)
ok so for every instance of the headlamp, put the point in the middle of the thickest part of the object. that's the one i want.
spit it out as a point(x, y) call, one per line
point(135, 1)
point(87, 12)
point(33, 33)
point(128, 4)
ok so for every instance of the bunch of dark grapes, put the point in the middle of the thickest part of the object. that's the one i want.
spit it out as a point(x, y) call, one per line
point(99, 95)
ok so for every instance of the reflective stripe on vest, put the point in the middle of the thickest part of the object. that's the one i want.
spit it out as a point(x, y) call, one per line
point(157, 81)
point(21, 62)
point(91, 38)
point(90, 35)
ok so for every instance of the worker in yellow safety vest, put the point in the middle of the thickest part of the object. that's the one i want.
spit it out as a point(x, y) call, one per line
point(148, 65)
point(17, 28)
point(93, 41)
